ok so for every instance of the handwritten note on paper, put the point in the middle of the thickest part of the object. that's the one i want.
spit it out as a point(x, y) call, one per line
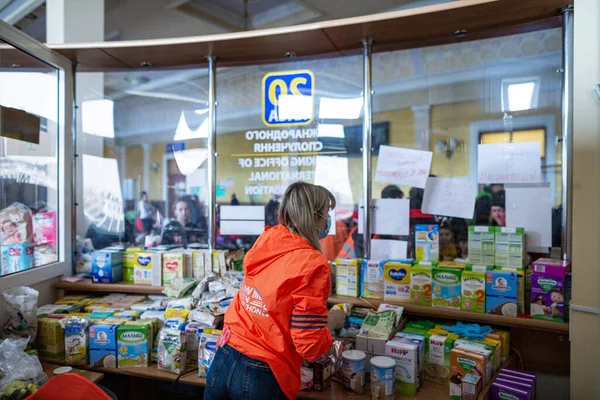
point(403, 166)
point(531, 209)
point(382, 250)
point(509, 163)
point(450, 197)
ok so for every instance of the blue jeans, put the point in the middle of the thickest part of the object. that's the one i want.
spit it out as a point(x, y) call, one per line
point(233, 375)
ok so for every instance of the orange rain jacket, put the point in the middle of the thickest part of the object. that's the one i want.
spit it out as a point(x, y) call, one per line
point(280, 314)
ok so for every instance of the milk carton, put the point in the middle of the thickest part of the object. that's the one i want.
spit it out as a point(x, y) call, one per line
point(371, 278)
point(501, 293)
point(473, 291)
point(420, 285)
point(481, 245)
point(396, 276)
point(446, 288)
point(406, 354)
point(133, 343)
point(347, 277)
point(148, 268)
point(427, 244)
point(76, 341)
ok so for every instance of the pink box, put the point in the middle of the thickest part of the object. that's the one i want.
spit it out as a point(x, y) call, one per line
point(44, 228)
point(550, 266)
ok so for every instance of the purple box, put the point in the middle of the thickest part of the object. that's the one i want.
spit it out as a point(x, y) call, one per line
point(548, 300)
point(516, 384)
point(524, 374)
point(500, 391)
point(550, 266)
point(512, 375)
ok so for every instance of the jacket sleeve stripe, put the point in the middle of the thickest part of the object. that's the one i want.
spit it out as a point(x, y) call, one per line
point(309, 321)
point(308, 326)
point(309, 316)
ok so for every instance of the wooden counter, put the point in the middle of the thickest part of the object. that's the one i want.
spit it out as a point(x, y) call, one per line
point(91, 375)
point(86, 286)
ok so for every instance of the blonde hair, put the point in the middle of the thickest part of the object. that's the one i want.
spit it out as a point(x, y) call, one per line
point(302, 205)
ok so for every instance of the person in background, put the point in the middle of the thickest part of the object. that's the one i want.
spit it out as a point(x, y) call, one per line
point(280, 316)
point(483, 204)
point(145, 211)
point(271, 211)
point(447, 247)
point(234, 200)
point(463, 246)
point(175, 231)
point(499, 209)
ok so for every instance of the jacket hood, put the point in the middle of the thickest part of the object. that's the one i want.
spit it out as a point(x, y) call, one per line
point(275, 242)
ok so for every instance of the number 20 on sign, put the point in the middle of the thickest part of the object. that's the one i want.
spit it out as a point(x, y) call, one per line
point(288, 98)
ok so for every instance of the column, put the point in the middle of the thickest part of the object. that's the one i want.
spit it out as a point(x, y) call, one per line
point(147, 147)
point(69, 21)
point(422, 116)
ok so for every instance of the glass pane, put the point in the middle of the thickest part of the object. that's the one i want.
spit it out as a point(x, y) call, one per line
point(281, 123)
point(29, 183)
point(449, 99)
point(141, 137)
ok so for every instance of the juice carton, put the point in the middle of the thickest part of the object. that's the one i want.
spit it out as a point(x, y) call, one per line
point(371, 279)
point(347, 277)
point(446, 288)
point(176, 265)
point(427, 244)
point(481, 245)
point(437, 356)
point(50, 339)
point(461, 363)
point(396, 276)
point(471, 386)
point(510, 247)
point(133, 345)
point(76, 340)
point(501, 293)
point(473, 291)
point(17, 258)
point(44, 229)
point(420, 285)
point(148, 268)
point(406, 354)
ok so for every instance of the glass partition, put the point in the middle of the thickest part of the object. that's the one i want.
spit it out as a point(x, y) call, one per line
point(282, 123)
point(29, 150)
point(489, 113)
point(141, 140)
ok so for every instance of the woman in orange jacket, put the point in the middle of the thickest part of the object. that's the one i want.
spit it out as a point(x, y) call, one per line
point(279, 317)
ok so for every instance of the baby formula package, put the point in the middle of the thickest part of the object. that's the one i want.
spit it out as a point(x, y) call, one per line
point(207, 350)
point(172, 351)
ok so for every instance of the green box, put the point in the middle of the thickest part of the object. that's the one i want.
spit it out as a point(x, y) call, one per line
point(420, 285)
point(481, 245)
point(133, 346)
point(510, 247)
point(446, 288)
point(473, 291)
point(128, 273)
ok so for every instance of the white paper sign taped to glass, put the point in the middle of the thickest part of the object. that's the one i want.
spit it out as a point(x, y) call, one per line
point(531, 209)
point(242, 220)
point(403, 166)
point(450, 197)
point(388, 249)
point(389, 217)
point(509, 163)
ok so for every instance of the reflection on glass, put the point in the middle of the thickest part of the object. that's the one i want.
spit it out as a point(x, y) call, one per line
point(97, 118)
point(28, 163)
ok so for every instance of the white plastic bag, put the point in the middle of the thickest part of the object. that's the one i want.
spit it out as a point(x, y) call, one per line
point(20, 313)
point(16, 365)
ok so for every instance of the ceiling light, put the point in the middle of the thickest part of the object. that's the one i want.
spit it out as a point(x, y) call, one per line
point(340, 108)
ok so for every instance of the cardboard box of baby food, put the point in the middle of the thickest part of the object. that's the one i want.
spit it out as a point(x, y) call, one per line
point(76, 341)
point(175, 265)
point(371, 279)
point(437, 356)
point(427, 243)
point(133, 346)
point(50, 339)
point(461, 363)
point(198, 265)
point(481, 245)
point(548, 297)
point(405, 353)
point(148, 268)
point(347, 277)
point(473, 291)
point(103, 336)
point(504, 338)
point(103, 358)
point(486, 350)
point(420, 285)
point(446, 288)
point(471, 386)
point(510, 247)
point(396, 276)
point(501, 292)
point(419, 339)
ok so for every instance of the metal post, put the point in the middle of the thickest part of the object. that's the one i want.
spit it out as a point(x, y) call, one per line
point(212, 153)
point(567, 132)
point(367, 147)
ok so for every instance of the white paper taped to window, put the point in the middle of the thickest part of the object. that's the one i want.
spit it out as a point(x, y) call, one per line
point(509, 163)
point(242, 227)
point(531, 209)
point(388, 217)
point(388, 249)
point(450, 197)
point(403, 166)
point(243, 213)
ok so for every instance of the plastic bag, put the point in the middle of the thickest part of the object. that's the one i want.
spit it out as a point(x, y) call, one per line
point(16, 365)
point(20, 313)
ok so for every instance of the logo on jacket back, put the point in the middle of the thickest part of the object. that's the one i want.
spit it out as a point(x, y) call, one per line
point(252, 301)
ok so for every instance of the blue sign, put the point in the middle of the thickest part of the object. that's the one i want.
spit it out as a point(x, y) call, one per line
point(299, 89)
point(173, 147)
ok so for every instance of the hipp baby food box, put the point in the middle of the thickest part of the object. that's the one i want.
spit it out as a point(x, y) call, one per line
point(396, 276)
point(406, 354)
point(446, 288)
point(420, 285)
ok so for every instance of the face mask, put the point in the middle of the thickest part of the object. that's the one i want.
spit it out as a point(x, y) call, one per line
point(323, 234)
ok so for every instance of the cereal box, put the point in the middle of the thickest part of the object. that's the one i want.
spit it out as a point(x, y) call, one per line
point(103, 358)
point(437, 357)
point(548, 297)
point(148, 268)
point(129, 263)
point(420, 285)
point(133, 346)
point(50, 339)
point(481, 245)
point(478, 347)
point(461, 363)
point(501, 293)
point(473, 291)
point(510, 247)
point(406, 354)
point(504, 338)
point(446, 288)
point(347, 277)
point(371, 278)
point(427, 246)
point(396, 277)
point(103, 336)
point(175, 263)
